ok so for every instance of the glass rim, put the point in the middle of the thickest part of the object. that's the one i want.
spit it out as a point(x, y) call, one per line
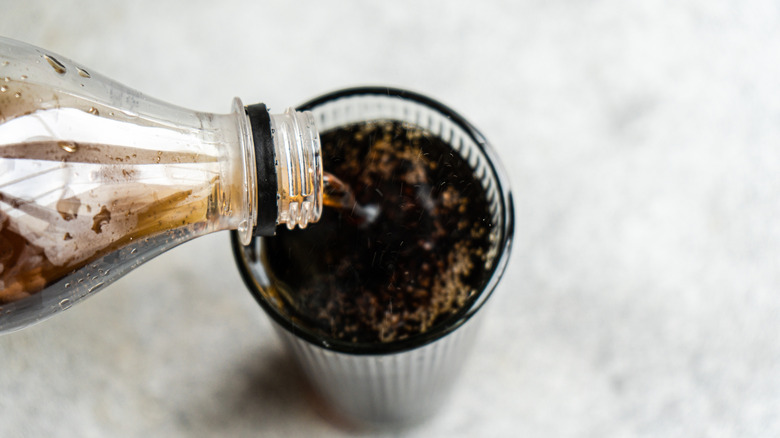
point(452, 322)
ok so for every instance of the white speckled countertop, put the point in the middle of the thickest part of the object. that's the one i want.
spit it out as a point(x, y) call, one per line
point(643, 144)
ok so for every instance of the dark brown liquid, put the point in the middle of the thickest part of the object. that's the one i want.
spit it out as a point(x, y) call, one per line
point(338, 194)
point(403, 250)
point(81, 229)
point(26, 267)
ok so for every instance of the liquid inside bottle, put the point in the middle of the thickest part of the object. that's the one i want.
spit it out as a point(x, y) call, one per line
point(66, 204)
point(71, 199)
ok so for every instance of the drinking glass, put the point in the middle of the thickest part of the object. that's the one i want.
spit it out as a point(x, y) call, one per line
point(402, 382)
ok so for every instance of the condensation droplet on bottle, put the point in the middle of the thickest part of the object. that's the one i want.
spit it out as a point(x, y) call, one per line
point(83, 73)
point(55, 64)
point(6, 79)
point(243, 226)
point(68, 146)
point(67, 285)
point(17, 95)
point(5, 63)
point(94, 111)
point(24, 77)
point(133, 250)
point(64, 304)
point(3, 88)
point(95, 287)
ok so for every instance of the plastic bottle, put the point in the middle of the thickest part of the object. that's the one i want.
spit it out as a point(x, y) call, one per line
point(96, 179)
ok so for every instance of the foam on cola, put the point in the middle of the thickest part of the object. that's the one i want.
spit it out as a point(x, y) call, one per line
point(404, 246)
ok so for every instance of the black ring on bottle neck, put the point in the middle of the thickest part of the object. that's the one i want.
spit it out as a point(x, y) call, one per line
point(265, 156)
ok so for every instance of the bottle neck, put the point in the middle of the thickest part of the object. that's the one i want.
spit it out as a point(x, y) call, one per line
point(288, 170)
point(298, 168)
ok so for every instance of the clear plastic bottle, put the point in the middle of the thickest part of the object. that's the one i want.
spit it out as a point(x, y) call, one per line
point(96, 179)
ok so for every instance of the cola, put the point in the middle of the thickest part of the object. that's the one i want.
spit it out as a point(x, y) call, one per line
point(402, 245)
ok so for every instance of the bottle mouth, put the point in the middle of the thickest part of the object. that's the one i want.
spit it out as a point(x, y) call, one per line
point(288, 169)
point(298, 168)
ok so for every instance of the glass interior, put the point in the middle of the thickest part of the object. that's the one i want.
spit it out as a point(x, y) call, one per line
point(373, 104)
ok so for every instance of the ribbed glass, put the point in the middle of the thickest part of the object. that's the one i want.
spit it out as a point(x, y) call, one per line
point(397, 383)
